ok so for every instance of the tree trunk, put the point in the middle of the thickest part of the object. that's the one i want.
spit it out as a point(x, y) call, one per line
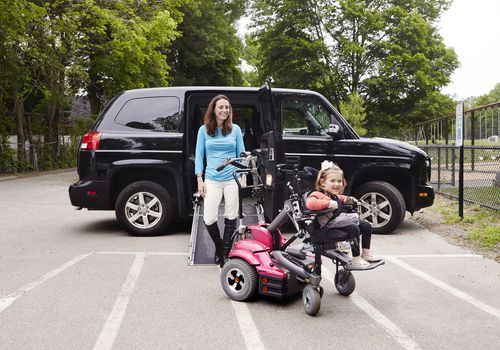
point(33, 156)
point(49, 137)
point(19, 115)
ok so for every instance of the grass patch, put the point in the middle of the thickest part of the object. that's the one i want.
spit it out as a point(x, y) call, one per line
point(485, 236)
point(482, 225)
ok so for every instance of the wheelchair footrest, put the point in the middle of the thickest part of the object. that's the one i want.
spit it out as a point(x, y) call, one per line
point(350, 267)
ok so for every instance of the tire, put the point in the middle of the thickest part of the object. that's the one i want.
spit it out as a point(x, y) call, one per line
point(345, 282)
point(382, 205)
point(144, 208)
point(239, 279)
point(311, 299)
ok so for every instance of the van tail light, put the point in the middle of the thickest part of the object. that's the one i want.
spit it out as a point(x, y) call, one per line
point(91, 140)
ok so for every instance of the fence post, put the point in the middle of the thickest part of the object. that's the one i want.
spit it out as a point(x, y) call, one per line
point(460, 133)
point(472, 140)
point(439, 167)
point(453, 168)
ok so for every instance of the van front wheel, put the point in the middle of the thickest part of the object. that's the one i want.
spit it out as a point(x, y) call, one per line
point(382, 205)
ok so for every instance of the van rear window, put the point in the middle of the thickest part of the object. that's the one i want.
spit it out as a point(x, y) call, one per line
point(151, 113)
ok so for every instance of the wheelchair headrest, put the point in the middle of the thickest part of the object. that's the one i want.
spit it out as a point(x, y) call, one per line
point(310, 173)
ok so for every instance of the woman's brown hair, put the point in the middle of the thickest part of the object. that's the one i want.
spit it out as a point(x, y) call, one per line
point(210, 121)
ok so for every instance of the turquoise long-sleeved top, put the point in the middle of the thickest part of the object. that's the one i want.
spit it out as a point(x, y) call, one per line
point(217, 149)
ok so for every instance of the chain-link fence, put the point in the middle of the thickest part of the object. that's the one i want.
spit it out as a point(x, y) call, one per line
point(37, 155)
point(481, 173)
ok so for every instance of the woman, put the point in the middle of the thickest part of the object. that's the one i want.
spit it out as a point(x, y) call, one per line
point(218, 139)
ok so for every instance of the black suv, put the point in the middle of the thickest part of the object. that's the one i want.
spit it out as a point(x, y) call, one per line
point(138, 158)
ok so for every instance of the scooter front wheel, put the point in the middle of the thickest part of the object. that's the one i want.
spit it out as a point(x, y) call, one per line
point(311, 299)
point(239, 279)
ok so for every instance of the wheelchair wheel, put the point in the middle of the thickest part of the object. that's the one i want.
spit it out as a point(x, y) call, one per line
point(345, 282)
point(311, 299)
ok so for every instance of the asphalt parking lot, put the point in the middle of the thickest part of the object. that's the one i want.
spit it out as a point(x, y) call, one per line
point(74, 280)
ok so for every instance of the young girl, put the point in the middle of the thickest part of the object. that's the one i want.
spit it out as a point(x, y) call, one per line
point(329, 183)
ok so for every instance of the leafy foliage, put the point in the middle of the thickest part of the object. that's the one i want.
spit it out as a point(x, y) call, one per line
point(490, 97)
point(54, 49)
point(207, 53)
point(388, 51)
point(354, 111)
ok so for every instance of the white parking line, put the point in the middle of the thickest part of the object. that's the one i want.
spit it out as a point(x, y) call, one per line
point(452, 290)
point(432, 256)
point(11, 298)
point(113, 323)
point(248, 328)
point(147, 253)
point(402, 338)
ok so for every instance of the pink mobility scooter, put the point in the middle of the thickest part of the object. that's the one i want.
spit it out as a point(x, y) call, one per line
point(262, 261)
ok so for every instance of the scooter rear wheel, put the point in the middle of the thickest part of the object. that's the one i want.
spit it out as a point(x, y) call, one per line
point(311, 299)
point(345, 282)
point(239, 279)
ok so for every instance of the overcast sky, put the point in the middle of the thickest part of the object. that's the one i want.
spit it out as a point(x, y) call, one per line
point(472, 28)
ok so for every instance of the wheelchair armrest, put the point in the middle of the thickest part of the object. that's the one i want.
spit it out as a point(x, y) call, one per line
point(310, 212)
point(317, 212)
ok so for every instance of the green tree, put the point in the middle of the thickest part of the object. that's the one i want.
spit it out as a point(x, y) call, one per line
point(388, 51)
point(20, 24)
point(208, 52)
point(490, 97)
point(354, 111)
point(126, 45)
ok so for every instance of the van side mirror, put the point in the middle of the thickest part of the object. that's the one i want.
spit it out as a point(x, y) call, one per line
point(334, 130)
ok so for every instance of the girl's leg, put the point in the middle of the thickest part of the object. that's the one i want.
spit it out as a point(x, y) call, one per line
point(366, 233)
point(352, 232)
point(365, 228)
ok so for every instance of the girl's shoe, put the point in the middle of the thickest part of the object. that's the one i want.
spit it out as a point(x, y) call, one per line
point(359, 262)
point(370, 258)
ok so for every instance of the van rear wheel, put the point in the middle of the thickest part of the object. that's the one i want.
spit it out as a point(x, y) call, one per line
point(381, 204)
point(144, 208)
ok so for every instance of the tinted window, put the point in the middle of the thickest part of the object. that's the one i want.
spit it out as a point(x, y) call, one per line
point(304, 117)
point(152, 113)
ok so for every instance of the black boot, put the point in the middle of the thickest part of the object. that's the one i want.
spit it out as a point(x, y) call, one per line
point(229, 228)
point(213, 231)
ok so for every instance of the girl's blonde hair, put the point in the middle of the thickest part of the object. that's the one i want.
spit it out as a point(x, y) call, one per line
point(323, 174)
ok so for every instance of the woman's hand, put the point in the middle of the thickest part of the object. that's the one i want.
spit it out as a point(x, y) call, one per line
point(201, 187)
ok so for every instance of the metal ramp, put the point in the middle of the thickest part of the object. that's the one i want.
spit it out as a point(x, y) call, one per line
point(201, 246)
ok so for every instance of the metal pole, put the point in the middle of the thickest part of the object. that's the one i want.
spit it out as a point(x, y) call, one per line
point(460, 135)
point(453, 166)
point(472, 139)
point(461, 183)
point(439, 167)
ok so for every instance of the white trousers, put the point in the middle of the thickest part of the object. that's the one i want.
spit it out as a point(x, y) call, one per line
point(215, 190)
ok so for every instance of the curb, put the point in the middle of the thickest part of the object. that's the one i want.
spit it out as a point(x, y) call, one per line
point(34, 174)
